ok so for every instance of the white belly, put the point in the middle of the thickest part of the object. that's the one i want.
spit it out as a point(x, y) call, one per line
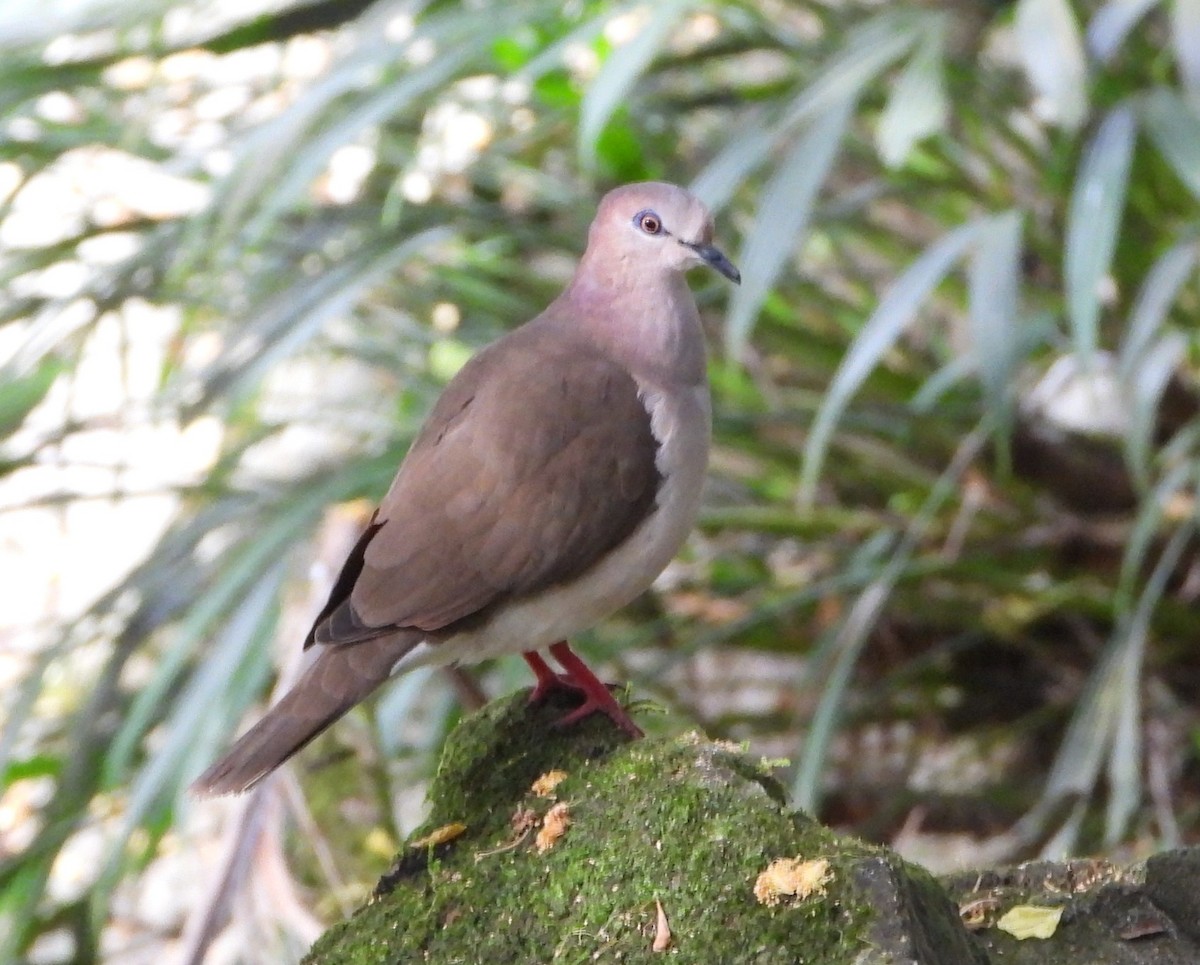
point(681, 423)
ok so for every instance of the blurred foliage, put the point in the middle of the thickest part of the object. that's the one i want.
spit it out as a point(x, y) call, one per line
point(956, 420)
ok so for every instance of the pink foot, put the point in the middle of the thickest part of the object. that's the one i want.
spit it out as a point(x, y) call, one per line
point(578, 680)
point(548, 682)
point(597, 696)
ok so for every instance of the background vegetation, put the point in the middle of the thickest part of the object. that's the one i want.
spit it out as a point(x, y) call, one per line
point(947, 564)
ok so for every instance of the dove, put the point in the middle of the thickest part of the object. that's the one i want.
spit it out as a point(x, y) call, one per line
point(555, 477)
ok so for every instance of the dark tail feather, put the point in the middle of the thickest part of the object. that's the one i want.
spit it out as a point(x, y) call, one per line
point(339, 678)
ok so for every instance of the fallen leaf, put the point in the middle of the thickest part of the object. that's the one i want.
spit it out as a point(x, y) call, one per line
point(792, 878)
point(1030, 921)
point(662, 930)
point(554, 826)
point(544, 786)
point(447, 832)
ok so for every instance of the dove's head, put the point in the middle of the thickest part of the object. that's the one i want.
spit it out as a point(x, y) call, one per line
point(656, 225)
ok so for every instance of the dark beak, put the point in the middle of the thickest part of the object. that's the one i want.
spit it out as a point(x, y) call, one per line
point(716, 258)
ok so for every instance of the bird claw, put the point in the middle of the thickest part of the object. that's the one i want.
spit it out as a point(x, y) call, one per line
point(609, 707)
point(578, 680)
point(548, 682)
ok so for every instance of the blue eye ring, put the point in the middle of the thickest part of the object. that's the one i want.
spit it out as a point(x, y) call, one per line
point(648, 222)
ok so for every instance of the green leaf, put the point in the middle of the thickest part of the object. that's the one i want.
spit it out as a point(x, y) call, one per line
point(1154, 300)
point(39, 765)
point(242, 641)
point(1173, 124)
point(1050, 46)
point(447, 356)
point(1146, 382)
point(934, 388)
point(748, 147)
point(994, 281)
point(1128, 648)
point(868, 51)
point(881, 331)
point(1111, 25)
point(279, 159)
point(619, 153)
point(396, 705)
point(851, 635)
point(1093, 221)
point(288, 320)
point(549, 59)
point(867, 565)
point(1185, 39)
point(273, 191)
point(610, 87)
point(20, 394)
point(1146, 529)
point(780, 222)
point(20, 898)
point(918, 105)
point(555, 89)
point(1111, 695)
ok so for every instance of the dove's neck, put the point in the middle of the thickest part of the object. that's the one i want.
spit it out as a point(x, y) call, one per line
point(644, 317)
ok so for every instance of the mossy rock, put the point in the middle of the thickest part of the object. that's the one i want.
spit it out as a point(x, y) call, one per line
point(684, 822)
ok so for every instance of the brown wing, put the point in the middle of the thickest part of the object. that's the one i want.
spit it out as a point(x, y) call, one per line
point(537, 459)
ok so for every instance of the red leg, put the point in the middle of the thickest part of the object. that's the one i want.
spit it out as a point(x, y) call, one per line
point(547, 680)
point(597, 696)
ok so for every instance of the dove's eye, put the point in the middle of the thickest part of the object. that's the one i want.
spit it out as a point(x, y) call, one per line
point(648, 222)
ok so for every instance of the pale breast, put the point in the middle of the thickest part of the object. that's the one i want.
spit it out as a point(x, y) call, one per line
point(681, 422)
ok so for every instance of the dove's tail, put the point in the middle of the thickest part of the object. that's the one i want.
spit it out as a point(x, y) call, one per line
point(339, 678)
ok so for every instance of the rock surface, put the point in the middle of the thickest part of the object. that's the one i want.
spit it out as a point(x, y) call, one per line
point(1148, 914)
point(548, 845)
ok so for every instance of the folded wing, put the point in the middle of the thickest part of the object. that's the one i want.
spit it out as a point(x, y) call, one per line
point(537, 460)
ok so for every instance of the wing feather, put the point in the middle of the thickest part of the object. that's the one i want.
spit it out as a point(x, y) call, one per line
point(536, 461)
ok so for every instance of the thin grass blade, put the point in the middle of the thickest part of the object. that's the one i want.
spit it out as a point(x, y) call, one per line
point(20, 394)
point(1147, 525)
point(311, 158)
point(854, 631)
point(1173, 124)
point(746, 149)
point(885, 326)
point(1185, 40)
point(1145, 385)
point(1093, 222)
point(1090, 734)
point(1107, 30)
point(250, 625)
point(781, 220)
point(1125, 756)
point(1154, 300)
point(611, 86)
point(993, 281)
point(867, 52)
point(295, 316)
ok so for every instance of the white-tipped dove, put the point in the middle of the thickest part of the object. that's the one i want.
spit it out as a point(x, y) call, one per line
point(556, 476)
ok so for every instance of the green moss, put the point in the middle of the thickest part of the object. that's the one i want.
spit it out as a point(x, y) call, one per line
point(682, 820)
